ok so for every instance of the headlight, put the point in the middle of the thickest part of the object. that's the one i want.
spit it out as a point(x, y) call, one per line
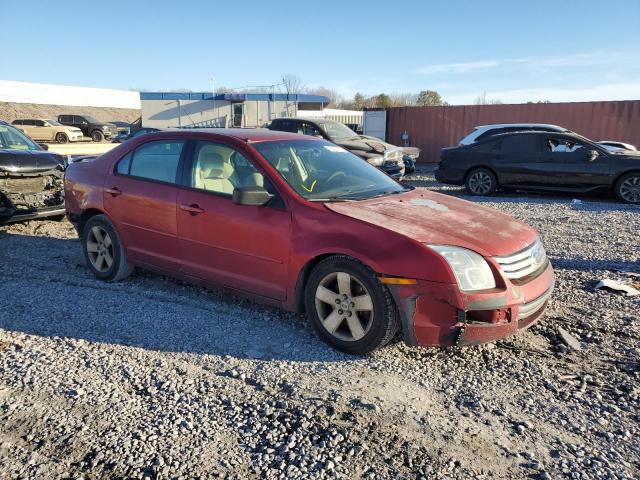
point(105, 127)
point(376, 161)
point(471, 270)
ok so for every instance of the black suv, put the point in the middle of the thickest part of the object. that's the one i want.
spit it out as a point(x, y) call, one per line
point(533, 160)
point(390, 159)
point(90, 127)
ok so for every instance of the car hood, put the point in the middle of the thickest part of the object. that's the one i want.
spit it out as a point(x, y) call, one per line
point(29, 161)
point(374, 145)
point(438, 219)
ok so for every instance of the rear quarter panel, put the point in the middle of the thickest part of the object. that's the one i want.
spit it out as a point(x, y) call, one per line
point(84, 181)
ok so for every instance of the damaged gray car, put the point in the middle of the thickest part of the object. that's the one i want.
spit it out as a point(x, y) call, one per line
point(392, 160)
point(31, 178)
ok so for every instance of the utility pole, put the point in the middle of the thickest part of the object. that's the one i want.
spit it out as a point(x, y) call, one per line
point(213, 99)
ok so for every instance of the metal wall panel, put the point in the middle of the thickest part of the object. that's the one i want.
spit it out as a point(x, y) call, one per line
point(432, 128)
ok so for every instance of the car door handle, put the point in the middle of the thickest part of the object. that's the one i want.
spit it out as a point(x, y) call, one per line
point(193, 209)
point(114, 191)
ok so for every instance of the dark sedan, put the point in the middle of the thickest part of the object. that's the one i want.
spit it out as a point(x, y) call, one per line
point(31, 179)
point(551, 161)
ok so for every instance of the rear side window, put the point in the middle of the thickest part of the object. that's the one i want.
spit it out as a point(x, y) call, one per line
point(16, 122)
point(66, 118)
point(286, 126)
point(153, 160)
point(519, 144)
point(489, 133)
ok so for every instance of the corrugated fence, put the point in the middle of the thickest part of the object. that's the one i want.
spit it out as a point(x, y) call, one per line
point(432, 128)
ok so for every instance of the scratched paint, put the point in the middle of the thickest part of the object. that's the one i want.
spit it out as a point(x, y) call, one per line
point(429, 203)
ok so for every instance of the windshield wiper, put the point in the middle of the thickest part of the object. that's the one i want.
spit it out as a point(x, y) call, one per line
point(337, 198)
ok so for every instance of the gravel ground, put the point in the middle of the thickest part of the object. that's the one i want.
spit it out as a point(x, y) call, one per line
point(151, 378)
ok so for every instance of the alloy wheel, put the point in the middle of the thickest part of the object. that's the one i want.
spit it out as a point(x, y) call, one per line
point(100, 248)
point(344, 306)
point(480, 183)
point(630, 189)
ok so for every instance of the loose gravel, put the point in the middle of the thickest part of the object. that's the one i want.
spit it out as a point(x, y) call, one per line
point(152, 378)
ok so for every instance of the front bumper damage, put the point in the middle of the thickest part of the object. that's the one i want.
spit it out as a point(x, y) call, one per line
point(437, 314)
point(25, 196)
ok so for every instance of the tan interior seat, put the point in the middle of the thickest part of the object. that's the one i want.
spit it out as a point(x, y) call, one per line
point(212, 172)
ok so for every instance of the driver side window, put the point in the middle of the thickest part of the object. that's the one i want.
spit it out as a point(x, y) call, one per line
point(565, 150)
point(220, 169)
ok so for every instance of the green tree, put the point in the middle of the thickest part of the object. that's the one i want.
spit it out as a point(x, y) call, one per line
point(359, 101)
point(383, 101)
point(429, 98)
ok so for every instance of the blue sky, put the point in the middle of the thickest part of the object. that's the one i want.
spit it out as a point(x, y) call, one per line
point(513, 51)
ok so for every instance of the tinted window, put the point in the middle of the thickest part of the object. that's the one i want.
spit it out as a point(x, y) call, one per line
point(16, 122)
point(66, 118)
point(38, 123)
point(78, 120)
point(489, 133)
point(285, 126)
point(154, 160)
point(519, 144)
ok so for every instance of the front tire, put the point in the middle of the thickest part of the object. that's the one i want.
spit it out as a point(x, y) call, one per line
point(627, 188)
point(62, 138)
point(97, 136)
point(481, 181)
point(348, 306)
point(103, 251)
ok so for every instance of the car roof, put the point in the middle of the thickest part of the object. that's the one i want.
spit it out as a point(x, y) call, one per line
point(538, 125)
point(306, 119)
point(244, 134)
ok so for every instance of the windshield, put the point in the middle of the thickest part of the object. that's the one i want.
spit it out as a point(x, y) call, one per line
point(321, 171)
point(337, 131)
point(13, 139)
point(53, 122)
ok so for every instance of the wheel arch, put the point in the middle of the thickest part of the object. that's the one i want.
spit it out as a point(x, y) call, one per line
point(305, 272)
point(486, 167)
point(85, 216)
point(620, 175)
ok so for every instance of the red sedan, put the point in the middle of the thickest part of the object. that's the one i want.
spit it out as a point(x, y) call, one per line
point(301, 223)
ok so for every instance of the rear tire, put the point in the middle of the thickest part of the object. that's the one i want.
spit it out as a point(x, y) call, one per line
point(627, 188)
point(481, 181)
point(348, 306)
point(62, 138)
point(103, 251)
point(97, 136)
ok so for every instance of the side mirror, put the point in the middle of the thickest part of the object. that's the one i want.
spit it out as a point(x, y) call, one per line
point(255, 196)
point(43, 146)
point(592, 155)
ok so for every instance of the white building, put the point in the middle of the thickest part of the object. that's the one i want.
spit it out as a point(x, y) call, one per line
point(172, 109)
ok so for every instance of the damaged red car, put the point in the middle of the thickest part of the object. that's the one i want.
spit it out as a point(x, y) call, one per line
point(301, 223)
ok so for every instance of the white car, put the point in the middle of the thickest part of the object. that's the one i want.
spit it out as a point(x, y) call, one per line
point(485, 131)
point(613, 144)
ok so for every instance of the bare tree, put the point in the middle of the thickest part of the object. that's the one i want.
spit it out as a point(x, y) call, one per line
point(292, 83)
point(335, 100)
point(483, 100)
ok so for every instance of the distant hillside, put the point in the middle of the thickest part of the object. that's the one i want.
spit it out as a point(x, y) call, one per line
point(11, 111)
